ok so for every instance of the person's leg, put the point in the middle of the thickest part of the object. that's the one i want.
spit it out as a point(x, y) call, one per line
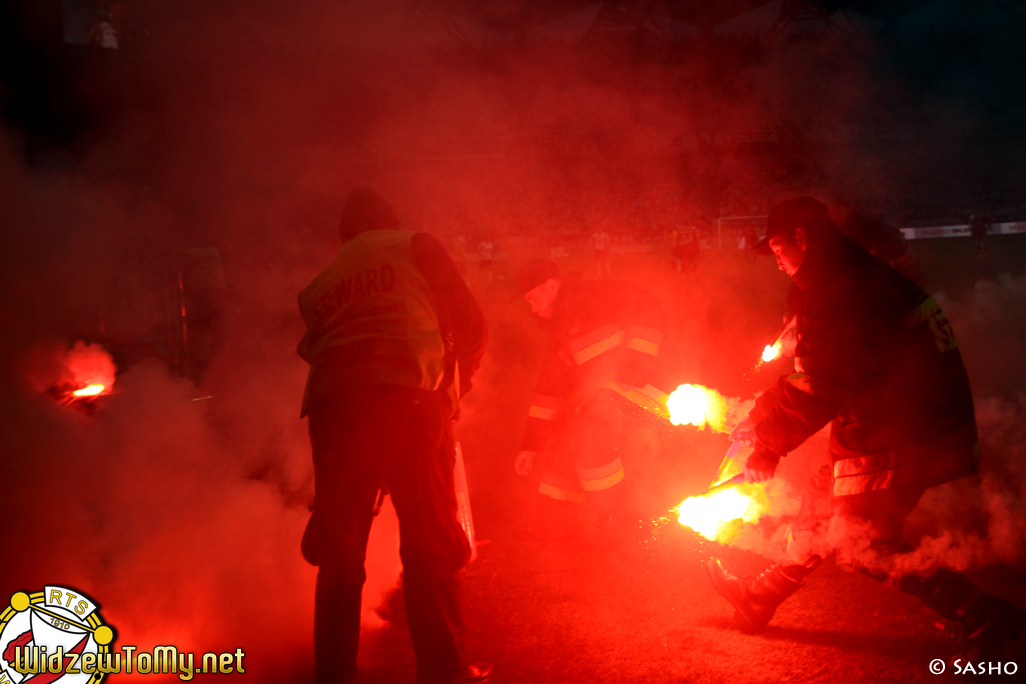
point(607, 430)
point(336, 538)
point(806, 535)
point(432, 544)
point(560, 495)
point(756, 598)
point(984, 622)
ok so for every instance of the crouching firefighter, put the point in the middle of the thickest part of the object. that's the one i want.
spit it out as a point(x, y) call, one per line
point(393, 339)
point(591, 396)
point(877, 359)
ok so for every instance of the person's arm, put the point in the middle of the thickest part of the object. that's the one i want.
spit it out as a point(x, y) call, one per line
point(552, 393)
point(798, 414)
point(459, 316)
point(303, 348)
point(550, 402)
point(829, 362)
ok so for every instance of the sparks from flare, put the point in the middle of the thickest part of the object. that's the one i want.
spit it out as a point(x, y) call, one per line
point(89, 391)
point(697, 405)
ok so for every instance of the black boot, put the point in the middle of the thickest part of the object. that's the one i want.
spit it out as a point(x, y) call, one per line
point(755, 598)
point(611, 521)
point(556, 520)
point(985, 624)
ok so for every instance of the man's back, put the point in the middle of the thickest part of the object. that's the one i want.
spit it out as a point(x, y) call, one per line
point(388, 323)
point(885, 346)
point(390, 308)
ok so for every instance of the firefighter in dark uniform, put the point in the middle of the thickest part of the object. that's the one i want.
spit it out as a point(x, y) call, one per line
point(882, 240)
point(877, 359)
point(593, 391)
point(393, 339)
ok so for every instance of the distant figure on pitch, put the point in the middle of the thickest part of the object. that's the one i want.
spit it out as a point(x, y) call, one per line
point(749, 238)
point(978, 227)
point(677, 250)
point(486, 252)
point(691, 251)
point(600, 241)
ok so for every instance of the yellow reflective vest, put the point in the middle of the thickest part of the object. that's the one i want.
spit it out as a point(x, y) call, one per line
point(370, 319)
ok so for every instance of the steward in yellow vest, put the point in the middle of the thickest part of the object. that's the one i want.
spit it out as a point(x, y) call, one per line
point(370, 319)
point(393, 338)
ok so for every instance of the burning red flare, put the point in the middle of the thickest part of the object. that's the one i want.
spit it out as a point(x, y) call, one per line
point(88, 372)
point(90, 391)
point(697, 405)
point(719, 516)
point(771, 352)
point(711, 516)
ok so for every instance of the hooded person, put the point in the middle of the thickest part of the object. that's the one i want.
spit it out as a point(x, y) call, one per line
point(876, 359)
point(393, 338)
point(592, 393)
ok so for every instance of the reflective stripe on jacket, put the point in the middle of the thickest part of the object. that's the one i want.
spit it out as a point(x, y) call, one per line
point(603, 335)
point(947, 457)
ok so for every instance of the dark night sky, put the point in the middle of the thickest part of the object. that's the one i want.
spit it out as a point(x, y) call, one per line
point(533, 12)
point(47, 88)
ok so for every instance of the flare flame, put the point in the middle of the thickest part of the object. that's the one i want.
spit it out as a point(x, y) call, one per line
point(715, 517)
point(90, 391)
point(771, 352)
point(699, 406)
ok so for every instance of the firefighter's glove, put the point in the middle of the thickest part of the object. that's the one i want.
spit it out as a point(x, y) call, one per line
point(744, 432)
point(761, 464)
point(524, 464)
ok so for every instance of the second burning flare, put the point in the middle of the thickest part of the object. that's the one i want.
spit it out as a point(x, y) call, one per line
point(716, 514)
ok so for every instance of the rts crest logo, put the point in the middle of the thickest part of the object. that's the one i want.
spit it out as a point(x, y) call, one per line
point(53, 635)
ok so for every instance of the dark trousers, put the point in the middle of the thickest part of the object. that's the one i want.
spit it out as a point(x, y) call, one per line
point(588, 445)
point(398, 438)
point(880, 517)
